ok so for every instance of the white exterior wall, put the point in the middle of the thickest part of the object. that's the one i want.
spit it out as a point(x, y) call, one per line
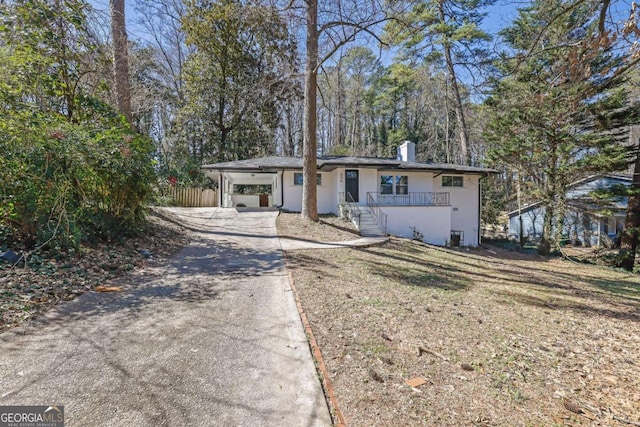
point(434, 222)
point(292, 193)
point(465, 206)
point(368, 183)
point(327, 197)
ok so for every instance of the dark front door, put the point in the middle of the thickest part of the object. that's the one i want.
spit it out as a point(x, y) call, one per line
point(264, 200)
point(351, 185)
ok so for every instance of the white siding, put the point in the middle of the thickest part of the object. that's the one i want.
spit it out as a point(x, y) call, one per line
point(465, 206)
point(434, 222)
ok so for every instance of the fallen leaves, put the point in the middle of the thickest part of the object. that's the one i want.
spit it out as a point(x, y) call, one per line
point(26, 293)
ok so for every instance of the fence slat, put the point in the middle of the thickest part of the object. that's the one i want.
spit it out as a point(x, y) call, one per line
point(190, 197)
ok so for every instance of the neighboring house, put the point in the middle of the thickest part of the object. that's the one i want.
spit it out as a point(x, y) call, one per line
point(440, 201)
point(587, 221)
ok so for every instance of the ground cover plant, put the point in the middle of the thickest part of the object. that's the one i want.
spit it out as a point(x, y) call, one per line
point(498, 337)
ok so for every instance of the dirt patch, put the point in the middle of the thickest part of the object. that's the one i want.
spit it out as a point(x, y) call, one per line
point(47, 280)
point(493, 337)
point(330, 228)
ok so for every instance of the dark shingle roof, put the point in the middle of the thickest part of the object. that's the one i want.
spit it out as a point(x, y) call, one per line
point(261, 163)
point(331, 162)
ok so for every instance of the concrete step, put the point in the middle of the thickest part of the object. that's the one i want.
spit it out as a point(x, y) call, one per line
point(368, 225)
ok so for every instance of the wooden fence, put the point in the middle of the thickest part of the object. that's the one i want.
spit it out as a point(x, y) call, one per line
point(193, 197)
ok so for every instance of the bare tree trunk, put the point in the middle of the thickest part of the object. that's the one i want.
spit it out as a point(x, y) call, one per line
point(629, 238)
point(309, 151)
point(544, 246)
point(338, 139)
point(121, 59)
point(460, 118)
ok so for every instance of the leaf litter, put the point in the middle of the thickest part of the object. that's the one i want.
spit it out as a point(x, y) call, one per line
point(28, 292)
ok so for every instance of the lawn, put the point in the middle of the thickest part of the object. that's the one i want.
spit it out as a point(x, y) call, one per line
point(500, 338)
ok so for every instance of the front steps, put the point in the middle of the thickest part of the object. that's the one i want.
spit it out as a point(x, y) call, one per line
point(368, 226)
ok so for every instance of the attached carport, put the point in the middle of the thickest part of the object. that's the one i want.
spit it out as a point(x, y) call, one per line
point(253, 183)
point(251, 189)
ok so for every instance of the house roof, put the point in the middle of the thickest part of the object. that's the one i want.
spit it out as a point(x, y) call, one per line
point(328, 163)
point(582, 196)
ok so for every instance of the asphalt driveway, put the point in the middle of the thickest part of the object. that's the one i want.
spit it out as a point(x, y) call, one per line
point(211, 338)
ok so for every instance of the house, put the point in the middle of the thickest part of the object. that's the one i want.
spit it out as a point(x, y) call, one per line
point(587, 221)
point(400, 196)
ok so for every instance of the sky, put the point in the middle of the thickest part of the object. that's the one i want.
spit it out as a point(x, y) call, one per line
point(499, 16)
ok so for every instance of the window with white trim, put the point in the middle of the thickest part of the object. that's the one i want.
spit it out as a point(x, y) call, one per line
point(298, 178)
point(402, 184)
point(452, 181)
point(390, 184)
point(386, 184)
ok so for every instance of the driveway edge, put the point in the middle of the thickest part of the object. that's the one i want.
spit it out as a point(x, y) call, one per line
point(336, 414)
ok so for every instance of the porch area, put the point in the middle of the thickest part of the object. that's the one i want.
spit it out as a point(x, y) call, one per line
point(249, 189)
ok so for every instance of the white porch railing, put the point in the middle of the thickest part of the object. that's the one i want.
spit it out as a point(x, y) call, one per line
point(410, 199)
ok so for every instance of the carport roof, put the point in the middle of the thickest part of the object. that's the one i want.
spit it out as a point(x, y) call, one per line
point(328, 163)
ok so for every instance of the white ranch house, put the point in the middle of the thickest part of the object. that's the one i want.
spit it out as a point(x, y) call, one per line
point(384, 196)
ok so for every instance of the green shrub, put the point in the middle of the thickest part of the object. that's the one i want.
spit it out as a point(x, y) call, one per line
point(61, 183)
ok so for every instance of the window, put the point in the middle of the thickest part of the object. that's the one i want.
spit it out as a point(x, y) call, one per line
point(297, 178)
point(390, 184)
point(452, 181)
point(250, 189)
point(386, 184)
point(402, 184)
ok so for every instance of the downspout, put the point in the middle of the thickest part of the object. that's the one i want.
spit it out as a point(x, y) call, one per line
point(282, 189)
point(480, 208)
point(220, 189)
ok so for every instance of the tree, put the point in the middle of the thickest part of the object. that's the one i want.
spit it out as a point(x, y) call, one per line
point(236, 78)
point(448, 29)
point(558, 112)
point(341, 23)
point(310, 146)
point(121, 59)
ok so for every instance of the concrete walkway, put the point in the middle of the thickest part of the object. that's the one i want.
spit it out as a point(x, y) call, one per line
point(211, 338)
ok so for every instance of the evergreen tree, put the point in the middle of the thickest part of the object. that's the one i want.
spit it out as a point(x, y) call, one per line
point(557, 113)
point(447, 30)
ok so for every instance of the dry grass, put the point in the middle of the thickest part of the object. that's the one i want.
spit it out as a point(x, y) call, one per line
point(330, 228)
point(507, 339)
